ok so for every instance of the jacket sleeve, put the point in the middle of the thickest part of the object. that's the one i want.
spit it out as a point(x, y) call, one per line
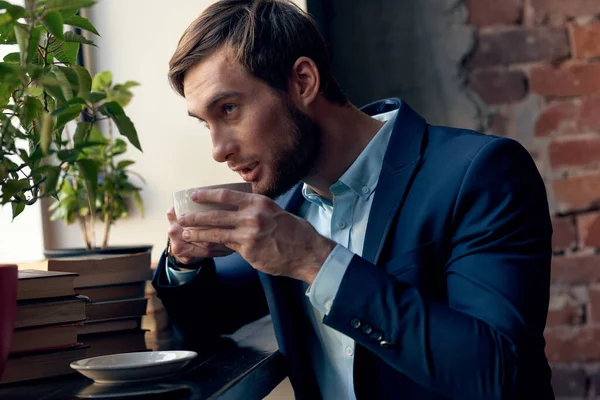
point(489, 329)
point(224, 295)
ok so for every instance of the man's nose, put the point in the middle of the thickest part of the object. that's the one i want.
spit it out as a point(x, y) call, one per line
point(223, 146)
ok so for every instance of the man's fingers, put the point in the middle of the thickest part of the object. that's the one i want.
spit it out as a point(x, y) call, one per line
point(216, 218)
point(210, 235)
point(171, 215)
point(226, 196)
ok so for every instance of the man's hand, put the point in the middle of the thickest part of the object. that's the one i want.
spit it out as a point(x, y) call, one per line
point(186, 252)
point(270, 239)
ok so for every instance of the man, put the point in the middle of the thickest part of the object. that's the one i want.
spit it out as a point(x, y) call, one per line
point(400, 261)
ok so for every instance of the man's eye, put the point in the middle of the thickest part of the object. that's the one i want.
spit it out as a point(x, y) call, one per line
point(229, 108)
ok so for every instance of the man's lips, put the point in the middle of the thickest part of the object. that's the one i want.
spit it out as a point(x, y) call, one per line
point(248, 172)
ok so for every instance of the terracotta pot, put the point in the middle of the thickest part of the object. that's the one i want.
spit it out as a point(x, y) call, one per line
point(8, 307)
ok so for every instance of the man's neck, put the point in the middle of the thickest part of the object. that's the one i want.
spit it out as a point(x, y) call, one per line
point(346, 133)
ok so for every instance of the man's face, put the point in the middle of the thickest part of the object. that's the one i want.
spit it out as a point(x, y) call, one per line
point(259, 133)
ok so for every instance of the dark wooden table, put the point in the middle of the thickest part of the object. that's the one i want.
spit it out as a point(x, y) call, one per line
point(249, 370)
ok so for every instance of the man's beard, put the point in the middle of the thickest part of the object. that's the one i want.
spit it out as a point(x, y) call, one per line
point(298, 160)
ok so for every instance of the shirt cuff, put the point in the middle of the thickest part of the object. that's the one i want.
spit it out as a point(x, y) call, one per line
point(177, 277)
point(327, 282)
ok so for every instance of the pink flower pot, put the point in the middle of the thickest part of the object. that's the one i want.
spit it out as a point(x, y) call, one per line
point(8, 307)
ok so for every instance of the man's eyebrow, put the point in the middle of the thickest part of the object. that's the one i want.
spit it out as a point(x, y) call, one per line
point(220, 96)
point(215, 99)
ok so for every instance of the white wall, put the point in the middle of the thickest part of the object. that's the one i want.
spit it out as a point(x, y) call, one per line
point(138, 39)
point(21, 240)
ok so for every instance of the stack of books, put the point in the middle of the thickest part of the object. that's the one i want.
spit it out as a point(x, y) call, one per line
point(47, 319)
point(114, 285)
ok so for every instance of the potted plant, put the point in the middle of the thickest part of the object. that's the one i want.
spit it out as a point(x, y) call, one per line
point(50, 111)
point(114, 191)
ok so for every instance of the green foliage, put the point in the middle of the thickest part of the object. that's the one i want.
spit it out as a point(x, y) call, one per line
point(50, 115)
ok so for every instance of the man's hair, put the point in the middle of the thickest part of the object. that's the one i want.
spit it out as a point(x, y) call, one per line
point(266, 36)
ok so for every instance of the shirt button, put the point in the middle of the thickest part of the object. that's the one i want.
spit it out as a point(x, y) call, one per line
point(341, 225)
point(365, 189)
point(349, 351)
point(355, 323)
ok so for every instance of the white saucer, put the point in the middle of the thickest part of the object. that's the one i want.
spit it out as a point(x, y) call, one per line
point(133, 367)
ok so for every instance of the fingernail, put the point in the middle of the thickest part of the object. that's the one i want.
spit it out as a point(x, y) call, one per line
point(186, 234)
point(181, 220)
point(195, 196)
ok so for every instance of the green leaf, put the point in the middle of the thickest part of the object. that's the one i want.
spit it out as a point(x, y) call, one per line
point(17, 208)
point(68, 114)
point(124, 164)
point(68, 4)
point(94, 97)
point(69, 156)
point(27, 45)
point(65, 85)
point(64, 52)
point(80, 22)
point(12, 57)
point(72, 37)
point(113, 110)
point(53, 21)
point(102, 81)
point(13, 187)
point(46, 134)
point(23, 41)
point(138, 202)
point(118, 147)
point(31, 110)
point(85, 80)
point(81, 132)
point(5, 19)
point(89, 170)
point(14, 10)
point(64, 107)
point(49, 184)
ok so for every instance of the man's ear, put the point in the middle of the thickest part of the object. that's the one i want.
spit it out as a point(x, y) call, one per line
point(304, 82)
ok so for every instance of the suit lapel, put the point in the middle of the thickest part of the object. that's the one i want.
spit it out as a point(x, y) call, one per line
point(401, 161)
point(291, 200)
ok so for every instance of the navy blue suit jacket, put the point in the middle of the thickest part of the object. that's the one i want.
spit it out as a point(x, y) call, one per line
point(453, 282)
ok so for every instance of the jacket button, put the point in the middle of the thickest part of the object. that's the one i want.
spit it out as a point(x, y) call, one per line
point(366, 329)
point(386, 345)
point(355, 323)
point(376, 335)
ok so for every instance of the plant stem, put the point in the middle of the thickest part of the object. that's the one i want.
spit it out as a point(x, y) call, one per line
point(106, 220)
point(84, 231)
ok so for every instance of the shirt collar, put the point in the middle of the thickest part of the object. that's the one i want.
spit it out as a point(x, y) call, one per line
point(363, 174)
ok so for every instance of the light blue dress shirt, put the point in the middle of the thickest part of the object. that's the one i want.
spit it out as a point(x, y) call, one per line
point(343, 220)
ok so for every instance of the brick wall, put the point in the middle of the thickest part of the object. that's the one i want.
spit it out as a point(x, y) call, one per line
point(536, 68)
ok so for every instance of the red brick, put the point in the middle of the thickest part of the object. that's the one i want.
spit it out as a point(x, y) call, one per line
point(573, 344)
point(565, 309)
point(520, 46)
point(589, 115)
point(571, 8)
point(493, 12)
point(594, 305)
point(566, 81)
point(569, 381)
point(585, 40)
point(497, 87)
point(574, 152)
point(588, 226)
point(559, 118)
point(575, 270)
point(563, 236)
point(577, 193)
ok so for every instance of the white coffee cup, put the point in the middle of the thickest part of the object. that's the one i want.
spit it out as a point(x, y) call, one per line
point(183, 203)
